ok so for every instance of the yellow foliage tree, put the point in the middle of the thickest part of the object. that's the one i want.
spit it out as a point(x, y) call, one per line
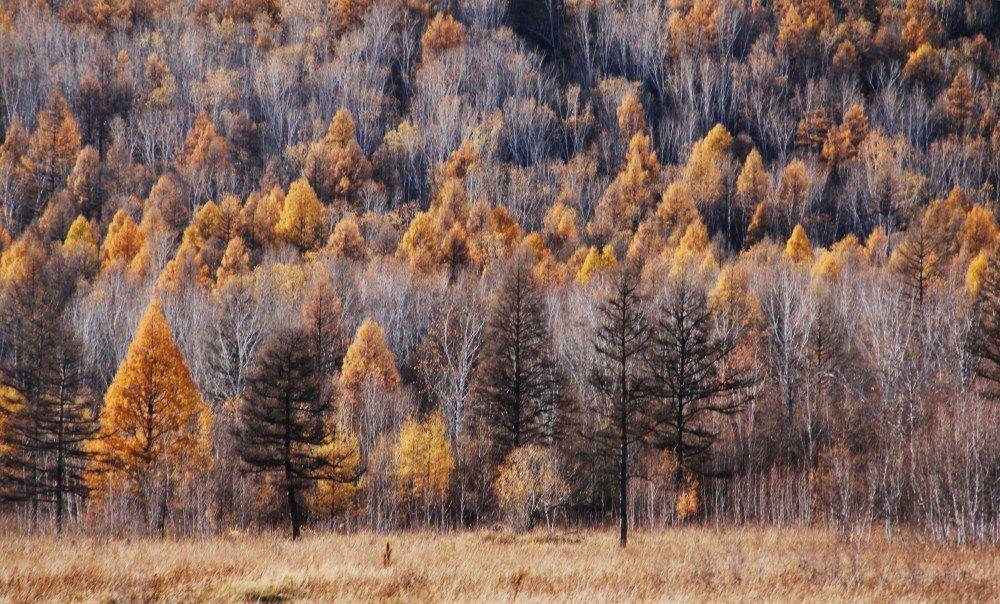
point(631, 116)
point(704, 172)
point(303, 218)
point(976, 273)
point(979, 231)
point(424, 462)
point(368, 363)
point(264, 215)
point(123, 242)
point(560, 228)
point(443, 33)
point(924, 65)
point(155, 426)
point(347, 14)
point(420, 245)
point(596, 263)
point(346, 240)
point(634, 191)
point(53, 147)
point(336, 167)
point(827, 267)
point(235, 262)
point(21, 258)
point(797, 248)
point(694, 250)
point(79, 242)
point(792, 194)
point(529, 487)
point(753, 184)
point(338, 494)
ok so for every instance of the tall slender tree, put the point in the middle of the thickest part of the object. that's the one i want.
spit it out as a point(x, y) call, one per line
point(618, 375)
point(45, 445)
point(154, 425)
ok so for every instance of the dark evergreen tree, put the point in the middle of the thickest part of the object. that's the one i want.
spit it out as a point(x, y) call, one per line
point(283, 424)
point(521, 393)
point(691, 376)
point(618, 376)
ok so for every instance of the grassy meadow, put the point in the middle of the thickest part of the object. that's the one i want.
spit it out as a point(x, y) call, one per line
point(691, 564)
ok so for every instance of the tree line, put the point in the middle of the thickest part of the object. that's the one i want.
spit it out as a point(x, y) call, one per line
point(388, 264)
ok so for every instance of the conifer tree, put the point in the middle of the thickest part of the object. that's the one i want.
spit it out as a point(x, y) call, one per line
point(283, 422)
point(45, 453)
point(689, 382)
point(303, 217)
point(53, 147)
point(336, 167)
point(618, 375)
point(985, 338)
point(154, 425)
point(424, 462)
point(798, 249)
point(368, 363)
point(520, 390)
point(916, 262)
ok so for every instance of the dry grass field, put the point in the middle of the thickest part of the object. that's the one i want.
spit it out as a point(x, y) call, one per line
point(687, 564)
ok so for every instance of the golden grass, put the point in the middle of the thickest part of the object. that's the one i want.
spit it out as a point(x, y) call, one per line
point(684, 564)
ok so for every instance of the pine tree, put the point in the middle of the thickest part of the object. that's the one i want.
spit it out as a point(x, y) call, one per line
point(689, 382)
point(283, 425)
point(520, 391)
point(618, 375)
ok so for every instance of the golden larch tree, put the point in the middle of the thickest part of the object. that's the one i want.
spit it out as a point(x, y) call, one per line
point(336, 167)
point(443, 33)
point(797, 248)
point(368, 362)
point(424, 462)
point(634, 191)
point(123, 241)
point(79, 242)
point(597, 262)
point(53, 147)
point(303, 218)
point(753, 183)
point(346, 240)
point(154, 425)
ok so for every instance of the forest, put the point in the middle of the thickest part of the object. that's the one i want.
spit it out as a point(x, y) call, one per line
point(352, 265)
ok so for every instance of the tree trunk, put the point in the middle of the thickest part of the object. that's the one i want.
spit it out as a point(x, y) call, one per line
point(293, 511)
point(623, 486)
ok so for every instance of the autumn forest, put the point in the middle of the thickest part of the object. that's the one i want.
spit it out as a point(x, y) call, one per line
point(316, 266)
